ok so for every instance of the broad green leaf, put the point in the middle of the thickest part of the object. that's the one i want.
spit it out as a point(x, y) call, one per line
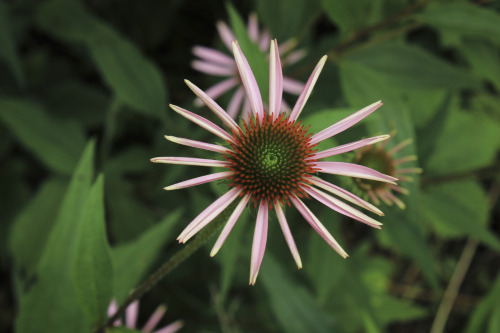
point(486, 314)
point(121, 330)
point(484, 59)
point(55, 142)
point(33, 225)
point(294, 307)
point(288, 19)
point(465, 18)
point(255, 57)
point(455, 152)
point(134, 79)
point(92, 269)
point(459, 209)
point(405, 67)
point(7, 45)
point(349, 15)
point(132, 260)
point(51, 304)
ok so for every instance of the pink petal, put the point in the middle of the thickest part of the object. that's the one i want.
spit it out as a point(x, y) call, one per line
point(198, 144)
point(212, 69)
point(306, 92)
point(112, 310)
point(172, 328)
point(354, 170)
point(235, 103)
point(230, 224)
point(344, 194)
point(292, 86)
point(132, 313)
point(218, 89)
point(288, 235)
point(200, 180)
point(294, 57)
point(341, 207)
point(349, 147)
point(190, 161)
point(205, 123)
point(154, 319)
point(253, 27)
point(208, 214)
point(213, 55)
point(264, 41)
point(318, 226)
point(219, 112)
point(345, 123)
point(225, 34)
point(248, 80)
point(275, 81)
point(259, 241)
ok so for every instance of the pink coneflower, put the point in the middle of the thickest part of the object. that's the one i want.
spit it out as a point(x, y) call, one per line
point(216, 63)
point(132, 313)
point(378, 157)
point(270, 161)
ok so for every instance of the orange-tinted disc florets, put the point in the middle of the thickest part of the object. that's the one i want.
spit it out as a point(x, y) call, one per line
point(271, 159)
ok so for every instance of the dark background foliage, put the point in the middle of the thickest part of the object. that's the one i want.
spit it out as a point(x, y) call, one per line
point(84, 93)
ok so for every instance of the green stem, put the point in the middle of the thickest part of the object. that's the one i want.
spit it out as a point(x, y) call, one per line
point(171, 264)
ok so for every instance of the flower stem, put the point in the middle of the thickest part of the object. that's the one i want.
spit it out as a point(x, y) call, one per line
point(170, 265)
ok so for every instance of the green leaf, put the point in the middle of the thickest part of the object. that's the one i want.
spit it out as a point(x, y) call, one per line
point(293, 306)
point(404, 66)
point(55, 142)
point(287, 19)
point(7, 46)
point(465, 18)
point(134, 79)
point(459, 209)
point(32, 226)
point(255, 57)
point(484, 58)
point(132, 260)
point(92, 270)
point(50, 304)
point(349, 15)
point(455, 152)
point(486, 314)
point(121, 330)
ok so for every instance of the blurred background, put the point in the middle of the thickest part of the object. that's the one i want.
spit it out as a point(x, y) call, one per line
point(84, 91)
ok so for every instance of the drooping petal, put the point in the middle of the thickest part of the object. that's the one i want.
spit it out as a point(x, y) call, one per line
point(264, 40)
point(213, 55)
point(235, 103)
point(353, 170)
point(253, 27)
point(211, 68)
point(275, 81)
point(249, 81)
point(208, 214)
point(200, 180)
point(318, 226)
point(292, 86)
point(219, 112)
point(112, 310)
point(171, 328)
point(259, 241)
point(306, 92)
point(345, 123)
point(230, 224)
point(132, 313)
point(288, 235)
point(205, 123)
point(198, 144)
point(190, 161)
point(154, 319)
point(405, 159)
point(218, 89)
point(341, 207)
point(225, 34)
point(294, 56)
point(399, 146)
point(349, 147)
point(344, 194)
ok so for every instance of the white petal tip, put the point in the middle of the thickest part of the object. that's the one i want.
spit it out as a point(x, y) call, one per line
point(169, 188)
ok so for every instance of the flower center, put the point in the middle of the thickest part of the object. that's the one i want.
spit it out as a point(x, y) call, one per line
point(378, 159)
point(271, 160)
